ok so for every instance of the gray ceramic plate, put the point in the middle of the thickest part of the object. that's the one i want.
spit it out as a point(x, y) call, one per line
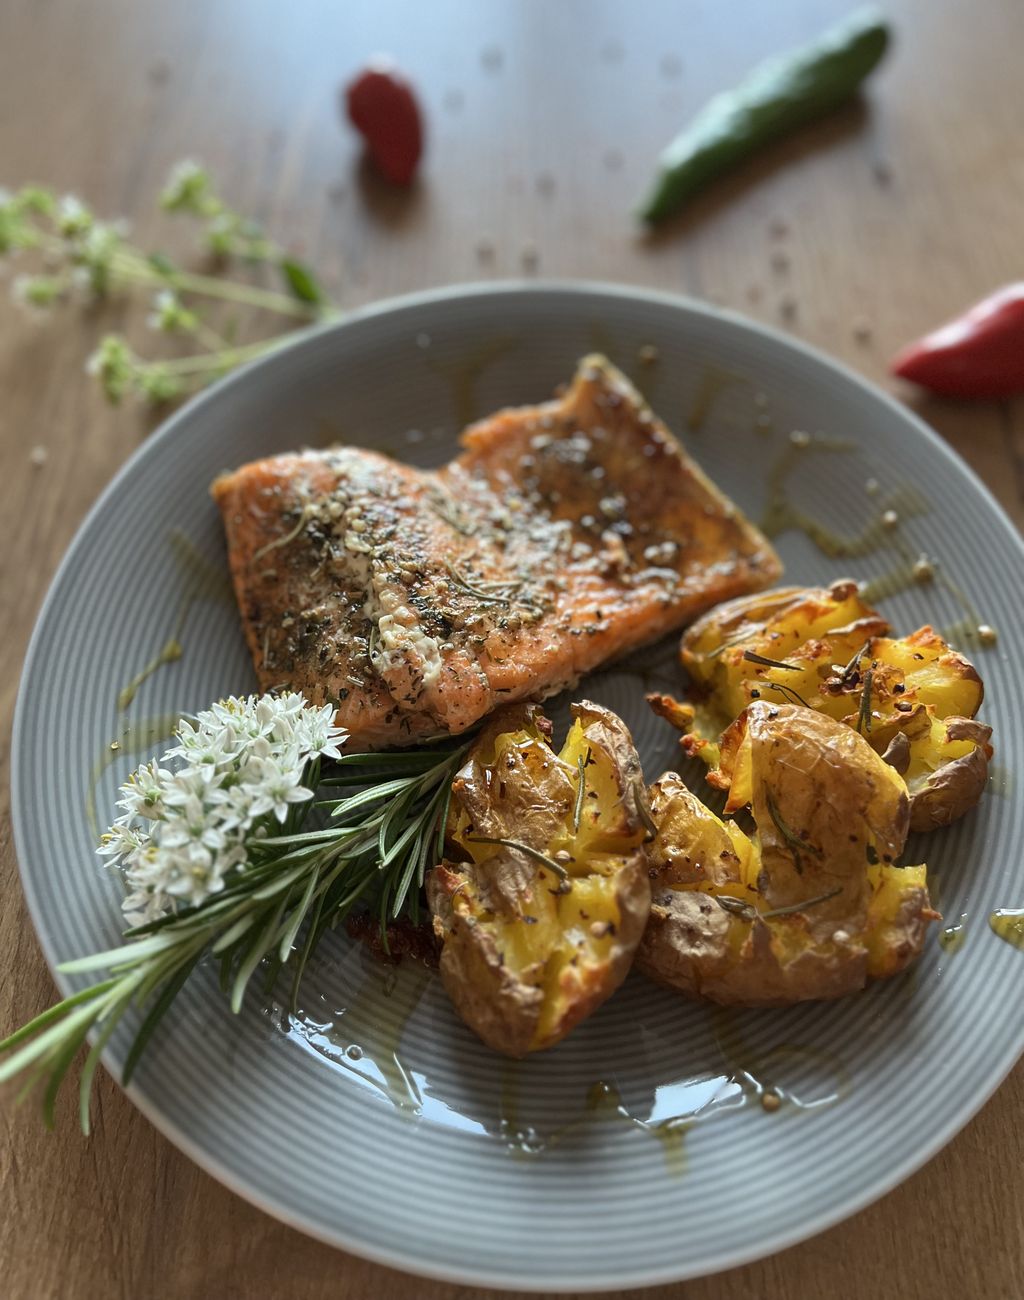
point(378, 1122)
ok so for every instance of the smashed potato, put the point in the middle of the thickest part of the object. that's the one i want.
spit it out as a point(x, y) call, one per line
point(544, 893)
point(829, 651)
point(811, 904)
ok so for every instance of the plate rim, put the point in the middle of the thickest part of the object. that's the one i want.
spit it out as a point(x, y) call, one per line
point(406, 1261)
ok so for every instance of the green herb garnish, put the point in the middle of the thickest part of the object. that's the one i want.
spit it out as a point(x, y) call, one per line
point(81, 257)
point(750, 913)
point(210, 880)
point(864, 716)
point(796, 842)
point(765, 662)
point(529, 851)
point(853, 667)
point(787, 692)
point(581, 794)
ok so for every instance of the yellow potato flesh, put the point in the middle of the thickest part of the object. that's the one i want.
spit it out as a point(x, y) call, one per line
point(557, 931)
point(688, 853)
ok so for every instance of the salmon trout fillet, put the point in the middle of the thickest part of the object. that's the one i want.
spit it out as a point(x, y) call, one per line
point(416, 601)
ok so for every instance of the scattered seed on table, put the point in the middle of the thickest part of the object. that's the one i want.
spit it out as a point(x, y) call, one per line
point(890, 519)
point(862, 329)
point(38, 457)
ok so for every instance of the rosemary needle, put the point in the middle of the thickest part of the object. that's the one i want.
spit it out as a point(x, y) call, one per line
point(753, 658)
point(528, 850)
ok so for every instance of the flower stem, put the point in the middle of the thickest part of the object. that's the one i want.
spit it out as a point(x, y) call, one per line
point(131, 265)
point(224, 359)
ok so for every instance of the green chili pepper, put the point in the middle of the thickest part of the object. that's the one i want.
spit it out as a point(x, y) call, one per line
point(778, 96)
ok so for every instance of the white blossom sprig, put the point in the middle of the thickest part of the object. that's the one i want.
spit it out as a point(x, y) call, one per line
point(211, 848)
point(186, 818)
point(83, 257)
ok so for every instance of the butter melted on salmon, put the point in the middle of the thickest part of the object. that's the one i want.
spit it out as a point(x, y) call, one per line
point(564, 535)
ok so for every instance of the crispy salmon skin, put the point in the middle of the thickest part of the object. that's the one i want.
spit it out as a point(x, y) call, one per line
point(416, 601)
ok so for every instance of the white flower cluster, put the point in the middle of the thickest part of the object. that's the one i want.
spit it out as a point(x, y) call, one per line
point(187, 816)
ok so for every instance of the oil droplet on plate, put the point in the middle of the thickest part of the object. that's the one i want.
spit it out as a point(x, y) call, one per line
point(1008, 924)
point(952, 937)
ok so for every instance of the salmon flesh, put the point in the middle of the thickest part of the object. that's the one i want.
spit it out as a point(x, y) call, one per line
point(416, 601)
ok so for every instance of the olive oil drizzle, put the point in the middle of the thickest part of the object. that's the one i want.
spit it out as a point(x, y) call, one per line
point(170, 652)
point(603, 1102)
point(464, 374)
point(1008, 924)
point(751, 1078)
point(1000, 779)
point(134, 739)
point(782, 515)
point(713, 382)
point(204, 581)
point(953, 937)
point(363, 1042)
point(757, 1073)
point(880, 532)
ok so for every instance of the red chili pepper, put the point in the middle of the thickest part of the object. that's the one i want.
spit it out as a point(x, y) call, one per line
point(382, 108)
point(980, 354)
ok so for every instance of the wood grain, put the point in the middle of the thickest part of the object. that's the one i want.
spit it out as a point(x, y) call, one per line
point(543, 123)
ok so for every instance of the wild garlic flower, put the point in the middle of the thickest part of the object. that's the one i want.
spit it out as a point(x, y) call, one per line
point(188, 189)
point(115, 365)
point(170, 314)
point(186, 818)
point(37, 291)
point(73, 219)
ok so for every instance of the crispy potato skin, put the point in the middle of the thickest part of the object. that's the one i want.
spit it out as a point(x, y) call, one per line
point(526, 956)
point(501, 1006)
point(820, 645)
point(831, 818)
point(956, 786)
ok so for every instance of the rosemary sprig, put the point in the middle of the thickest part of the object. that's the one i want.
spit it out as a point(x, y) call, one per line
point(853, 667)
point(787, 692)
point(739, 907)
point(753, 658)
point(746, 631)
point(864, 716)
point(796, 842)
point(376, 848)
point(500, 593)
point(581, 793)
point(528, 851)
point(643, 811)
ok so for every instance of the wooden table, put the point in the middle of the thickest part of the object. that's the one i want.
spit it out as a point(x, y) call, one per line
point(544, 120)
